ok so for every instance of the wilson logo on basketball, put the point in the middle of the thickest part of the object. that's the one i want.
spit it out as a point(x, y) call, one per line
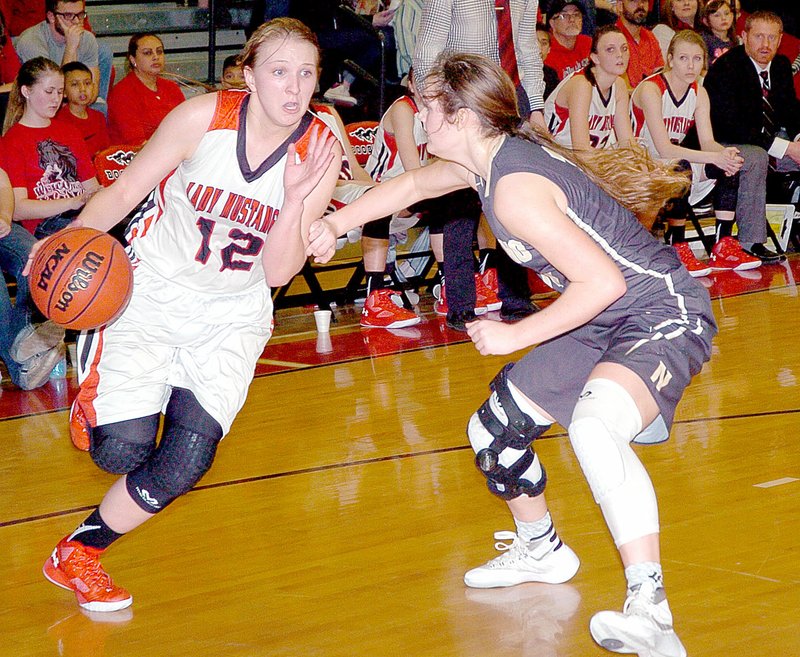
point(80, 279)
point(51, 265)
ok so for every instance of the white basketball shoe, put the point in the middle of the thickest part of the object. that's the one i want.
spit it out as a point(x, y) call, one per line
point(551, 562)
point(644, 627)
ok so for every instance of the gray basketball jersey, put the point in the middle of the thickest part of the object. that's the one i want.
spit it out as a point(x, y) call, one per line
point(661, 297)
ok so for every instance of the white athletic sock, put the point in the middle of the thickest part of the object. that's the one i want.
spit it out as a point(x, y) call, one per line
point(536, 532)
point(638, 573)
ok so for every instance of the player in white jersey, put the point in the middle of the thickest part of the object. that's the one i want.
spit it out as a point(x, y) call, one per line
point(589, 108)
point(664, 107)
point(238, 177)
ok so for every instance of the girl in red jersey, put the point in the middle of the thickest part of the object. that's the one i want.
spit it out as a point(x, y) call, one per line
point(238, 177)
point(47, 162)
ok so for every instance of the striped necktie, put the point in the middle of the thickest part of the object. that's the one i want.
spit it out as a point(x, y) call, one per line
point(505, 40)
point(770, 123)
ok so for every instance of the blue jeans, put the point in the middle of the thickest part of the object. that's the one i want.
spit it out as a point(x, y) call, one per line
point(14, 250)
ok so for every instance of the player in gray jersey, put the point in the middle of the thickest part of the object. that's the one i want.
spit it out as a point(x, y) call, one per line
point(613, 353)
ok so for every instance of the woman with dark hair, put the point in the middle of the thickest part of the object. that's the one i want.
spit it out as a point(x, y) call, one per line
point(613, 353)
point(139, 102)
point(47, 161)
point(589, 108)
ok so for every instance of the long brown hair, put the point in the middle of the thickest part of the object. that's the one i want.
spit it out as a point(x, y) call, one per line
point(29, 74)
point(628, 174)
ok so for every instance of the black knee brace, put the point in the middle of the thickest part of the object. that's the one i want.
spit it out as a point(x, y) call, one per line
point(507, 481)
point(121, 447)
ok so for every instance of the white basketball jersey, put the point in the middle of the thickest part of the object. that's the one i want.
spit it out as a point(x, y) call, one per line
point(205, 225)
point(601, 116)
point(678, 113)
point(384, 161)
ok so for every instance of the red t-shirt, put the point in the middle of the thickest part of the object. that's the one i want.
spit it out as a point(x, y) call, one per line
point(9, 62)
point(49, 162)
point(566, 61)
point(134, 111)
point(93, 128)
point(646, 55)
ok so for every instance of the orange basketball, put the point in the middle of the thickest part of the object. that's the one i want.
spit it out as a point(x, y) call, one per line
point(81, 278)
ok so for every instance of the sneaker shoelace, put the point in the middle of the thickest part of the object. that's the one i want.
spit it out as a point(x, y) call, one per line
point(514, 552)
point(88, 569)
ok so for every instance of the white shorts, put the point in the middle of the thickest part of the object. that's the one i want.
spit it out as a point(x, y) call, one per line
point(701, 184)
point(170, 336)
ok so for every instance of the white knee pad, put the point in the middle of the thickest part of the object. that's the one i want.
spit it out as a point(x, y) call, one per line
point(604, 422)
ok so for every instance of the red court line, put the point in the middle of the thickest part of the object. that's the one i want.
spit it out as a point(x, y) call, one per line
point(372, 343)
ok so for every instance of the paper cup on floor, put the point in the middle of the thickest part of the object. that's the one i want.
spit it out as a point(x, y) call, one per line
point(323, 320)
point(324, 345)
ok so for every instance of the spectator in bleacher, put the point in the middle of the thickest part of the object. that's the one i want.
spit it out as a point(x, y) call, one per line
point(569, 49)
point(645, 52)
point(89, 123)
point(9, 61)
point(29, 352)
point(47, 162)
point(139, 102)
point(738, 84)
point(665, 107)
point(63, 37)
point(548, 72)
point(232, 73)
point(717, 28)
point(22, 14)
point(676, 15)
point(589, 108)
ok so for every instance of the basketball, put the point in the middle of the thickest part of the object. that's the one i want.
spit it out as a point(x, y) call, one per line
point(81, 278)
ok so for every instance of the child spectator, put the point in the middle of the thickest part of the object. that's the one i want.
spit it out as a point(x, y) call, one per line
point(718, 30)
point(88, 122)
point(47, 163)
point(232, 75)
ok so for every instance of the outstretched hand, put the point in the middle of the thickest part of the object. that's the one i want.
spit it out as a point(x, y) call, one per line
point(321, 241)
point(300, 178)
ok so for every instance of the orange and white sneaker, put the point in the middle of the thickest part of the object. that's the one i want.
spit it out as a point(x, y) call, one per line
point(380, 311)
point(76, 567)
point(695, 267)
point(486, 295)
point(441, 308)
point(78, 427)
point(728, 255)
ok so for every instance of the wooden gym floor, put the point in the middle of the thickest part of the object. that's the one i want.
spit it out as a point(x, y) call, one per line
point(343, 508)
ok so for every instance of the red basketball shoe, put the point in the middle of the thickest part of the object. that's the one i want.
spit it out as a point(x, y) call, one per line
point(695, 267)
point(728, 255)
point(78, 427)
point(486, 290)
point(380, 311)
point(441, 308)
point(76, 567)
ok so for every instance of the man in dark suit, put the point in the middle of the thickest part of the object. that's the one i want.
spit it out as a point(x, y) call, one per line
point(753, 101)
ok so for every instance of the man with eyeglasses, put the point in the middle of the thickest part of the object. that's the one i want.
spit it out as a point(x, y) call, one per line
point(569, 49)
point(62, 38)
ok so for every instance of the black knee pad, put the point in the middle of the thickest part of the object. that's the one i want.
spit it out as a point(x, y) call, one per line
point(121, 447)
point(186, 452)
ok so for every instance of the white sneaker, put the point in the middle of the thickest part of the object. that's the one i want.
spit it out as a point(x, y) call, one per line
point(339, 95)
point(520, 563)
point(644, 627)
